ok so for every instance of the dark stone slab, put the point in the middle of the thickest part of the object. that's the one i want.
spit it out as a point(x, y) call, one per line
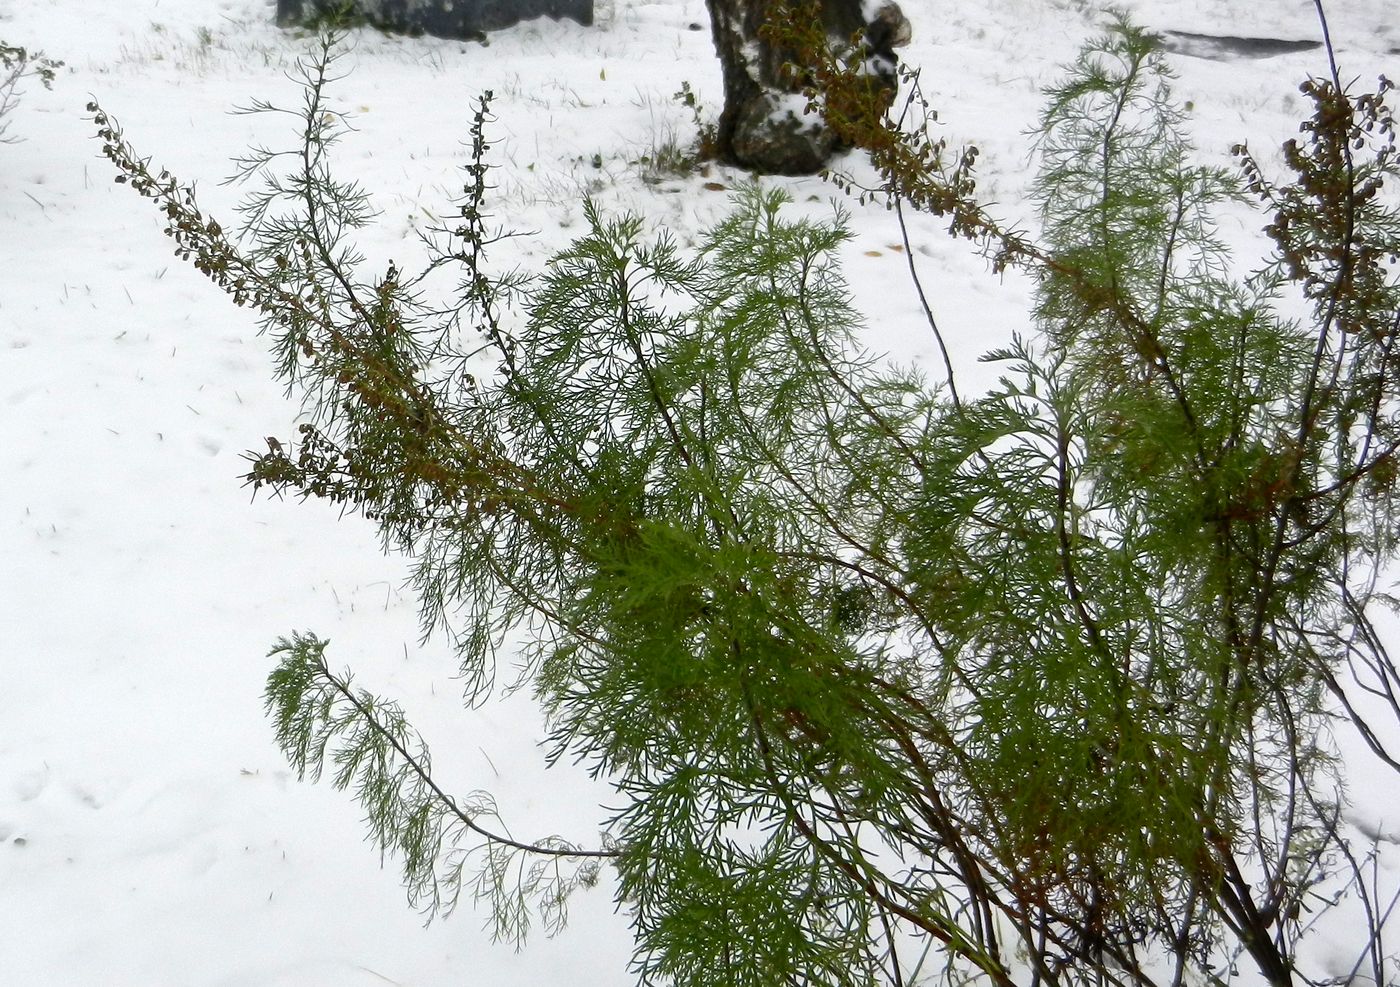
point(467, 19)
point(1229, 46)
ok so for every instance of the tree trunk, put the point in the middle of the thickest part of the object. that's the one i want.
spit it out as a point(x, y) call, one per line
point(764, 126)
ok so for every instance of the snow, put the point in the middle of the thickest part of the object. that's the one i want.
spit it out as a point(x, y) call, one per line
point(150, 833)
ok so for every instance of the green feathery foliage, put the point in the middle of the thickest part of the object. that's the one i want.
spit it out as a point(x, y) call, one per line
point(317, 714)
point(1040, 679)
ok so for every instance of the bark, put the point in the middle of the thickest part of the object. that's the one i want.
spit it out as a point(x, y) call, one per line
point(763, 126)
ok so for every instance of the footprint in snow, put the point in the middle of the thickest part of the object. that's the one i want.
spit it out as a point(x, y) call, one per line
point(29, 785)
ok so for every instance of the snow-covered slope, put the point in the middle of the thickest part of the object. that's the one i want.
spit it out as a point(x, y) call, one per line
point(149, 831)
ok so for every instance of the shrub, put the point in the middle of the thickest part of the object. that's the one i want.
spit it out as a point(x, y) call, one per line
point(15, 64)
point(1040, 679)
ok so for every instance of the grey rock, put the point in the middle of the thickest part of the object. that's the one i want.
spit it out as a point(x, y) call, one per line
point(1227, 46)
point(466, 19)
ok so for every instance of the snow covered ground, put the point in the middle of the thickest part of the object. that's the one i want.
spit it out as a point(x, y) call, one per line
point(150, 833)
